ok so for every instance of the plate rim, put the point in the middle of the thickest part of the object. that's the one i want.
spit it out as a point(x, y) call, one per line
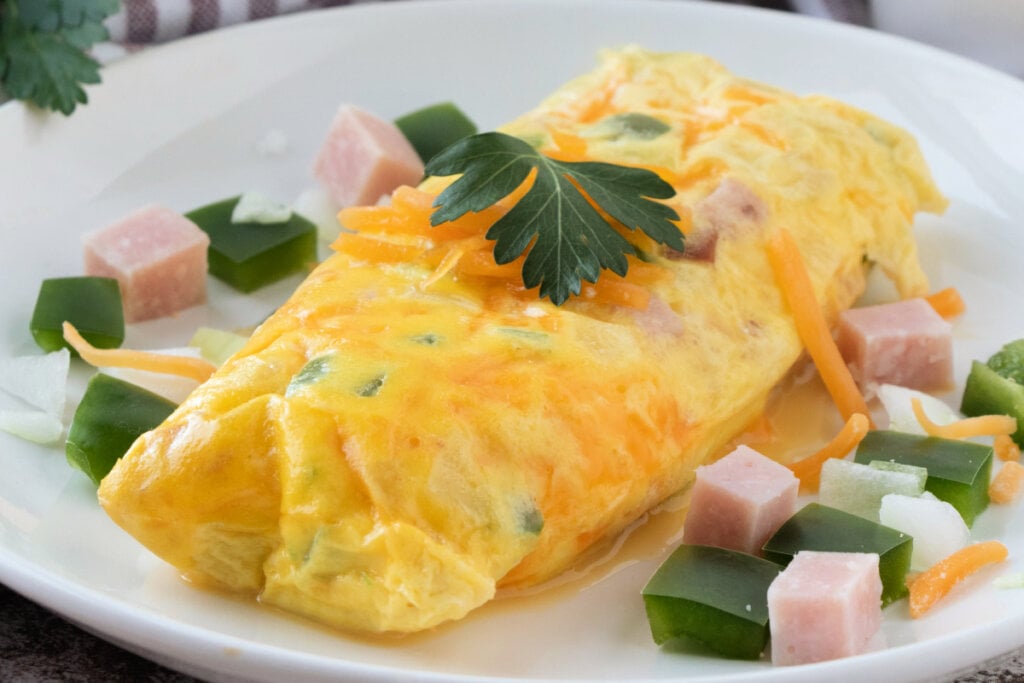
point(65, 596)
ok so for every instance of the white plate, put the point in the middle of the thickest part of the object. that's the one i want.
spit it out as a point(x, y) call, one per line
point(180, 125)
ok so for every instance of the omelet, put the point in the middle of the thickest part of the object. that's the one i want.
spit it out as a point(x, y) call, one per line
point(414, 428)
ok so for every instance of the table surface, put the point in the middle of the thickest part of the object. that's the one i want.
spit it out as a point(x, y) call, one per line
point(36, 645)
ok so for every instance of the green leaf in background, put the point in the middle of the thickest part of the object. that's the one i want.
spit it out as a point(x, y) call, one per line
point(43, 49)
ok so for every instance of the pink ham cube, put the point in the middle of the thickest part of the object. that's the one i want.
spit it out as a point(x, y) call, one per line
point(904, 343)
point(823, 606)
point(739, 501)
point(364, 158)
point(157, 255)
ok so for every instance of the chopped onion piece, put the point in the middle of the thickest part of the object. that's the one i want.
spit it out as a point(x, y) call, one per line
point(216, 345)
point(33, 425)
point(937, 528)
point(316, 205)
point(274, 144)
point(1012, 580)
point(40, 381)
point(897, 403)
point(253, 207)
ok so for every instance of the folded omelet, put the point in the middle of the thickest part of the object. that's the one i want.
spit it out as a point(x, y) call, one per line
point(414, 429)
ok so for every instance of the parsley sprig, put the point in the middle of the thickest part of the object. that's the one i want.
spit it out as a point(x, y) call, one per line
point(571, 240)
point(43, 49)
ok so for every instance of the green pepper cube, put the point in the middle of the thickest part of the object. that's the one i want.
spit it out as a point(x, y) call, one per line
point(248, 255)
point(958, 471)
point(1008, 361)
point(111, 415)
point(989, 393)
point(431, 129)
point(627, 125)
point(92, 304)
point(713, 595)
point(822, 528)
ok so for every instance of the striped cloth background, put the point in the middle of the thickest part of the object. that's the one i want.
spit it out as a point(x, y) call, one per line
point(157, 21)
point(143, 22)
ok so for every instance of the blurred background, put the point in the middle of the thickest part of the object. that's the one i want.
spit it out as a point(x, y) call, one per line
point(989, 31)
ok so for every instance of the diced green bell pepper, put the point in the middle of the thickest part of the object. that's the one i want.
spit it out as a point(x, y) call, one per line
point(1009, 361)
point(92, 304)
point(628, 125)
point(248, 256)
point(989, 393)
point(958, 471)
point(819, 527)
point(111, 415)
point(431, 129)
point(713, 595)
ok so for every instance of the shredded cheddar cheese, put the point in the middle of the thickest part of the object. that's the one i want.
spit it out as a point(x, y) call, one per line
point(984, 425)
point(808, 470)
point(792, 277)
point(183, 366)
point(402, 233)
point(1006, 448)
point(1007, 484)
point(934, 583)
point(947, 302)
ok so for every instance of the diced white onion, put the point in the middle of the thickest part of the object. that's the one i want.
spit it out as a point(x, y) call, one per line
point(1012, 580)
point(315, 205)
point(273, 144)
point(216, 345)
point(33, 425)
point(253, 207)
point(937, 528)
point(897, 403)
point(40, 381)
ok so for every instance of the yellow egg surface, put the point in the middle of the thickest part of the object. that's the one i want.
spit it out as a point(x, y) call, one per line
point(414, 428)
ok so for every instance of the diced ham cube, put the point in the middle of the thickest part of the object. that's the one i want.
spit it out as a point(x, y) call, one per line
point(739, 501)
point(823, 606)
point(730, 209)
point(905, 343)
point(157, 256)
point(364, 158)
point(658, 319)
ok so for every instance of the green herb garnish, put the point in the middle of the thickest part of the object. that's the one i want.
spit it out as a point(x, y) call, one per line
point(572, 242)
point(43, 46)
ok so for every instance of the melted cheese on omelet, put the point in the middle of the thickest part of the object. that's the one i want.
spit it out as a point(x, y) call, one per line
point(407, 434)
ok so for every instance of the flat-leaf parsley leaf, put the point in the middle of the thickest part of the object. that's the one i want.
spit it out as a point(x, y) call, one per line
point(572, 241)
point(43, 46)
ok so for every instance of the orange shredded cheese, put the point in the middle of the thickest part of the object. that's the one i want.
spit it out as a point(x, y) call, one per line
point(402, 232)
point(748, 93)
point(1007, 485)
point(984, 425)
point(934, 583)
point(183, 366)
point(1006, 448)
point(808, 470)
point(375, 250)
point(481, 263)
point(792, 277)
point(947, 302)
point(447, 263)
point(568, 147)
